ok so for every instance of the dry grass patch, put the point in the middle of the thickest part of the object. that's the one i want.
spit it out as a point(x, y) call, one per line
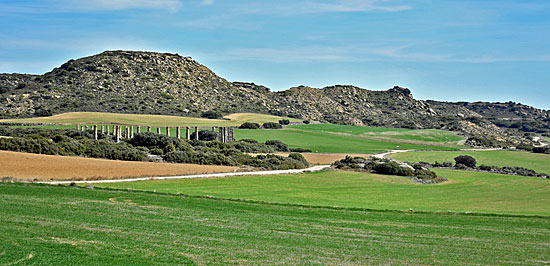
point(49, 167)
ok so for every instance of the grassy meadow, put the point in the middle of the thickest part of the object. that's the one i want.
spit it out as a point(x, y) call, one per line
point(328, 142)
point(425, 135)
point(149, 120)
point(536, 161)
point(464, 192)
point(62, 225)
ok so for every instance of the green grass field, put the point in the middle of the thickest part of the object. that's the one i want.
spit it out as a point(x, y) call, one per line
point(328, 142)
point(425, 135)
point(535, 161)
point(48, 225)
point(466, 191)
point(149, 120)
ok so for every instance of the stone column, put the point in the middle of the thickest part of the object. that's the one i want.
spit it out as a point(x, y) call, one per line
point(196, 133)
point(128, 133)
point(158, 130)
point(168, 131)
point(131, 132)
point(139, 129)
point(103, 129)
point(77, 127)
point(187, 136)
point(221, 135)
point(82, 128)
point(116, 131)
point(95, 132)
point(214, 129)
point(108, 126)
point(178, 134)
point(230, 136)
point(86, 127)
point(148, 129)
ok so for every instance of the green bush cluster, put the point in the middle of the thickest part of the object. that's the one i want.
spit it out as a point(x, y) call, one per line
point(73, 147)
point(75, 143)
point(284, 122)
point(249, 125)
point(545, 149)
point(212, 115)
point(387, 167)
point(272, 125)
point(466, 160)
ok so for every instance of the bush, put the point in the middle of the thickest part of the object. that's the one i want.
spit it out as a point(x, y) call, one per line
point(272, 125)
point(393, 168)
point(163, 142)
point(466, 160)
point(252, 147)
point(541, 150)
point(284, 122)
point(212, 115)
point(249, 125)
point(298, 157)
point(205, 135)
point(300, 150)
point(277, 145)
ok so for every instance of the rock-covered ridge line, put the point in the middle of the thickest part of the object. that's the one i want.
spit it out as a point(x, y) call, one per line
point(170, 84)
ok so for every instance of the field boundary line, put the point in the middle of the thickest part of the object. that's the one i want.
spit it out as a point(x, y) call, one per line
point(230, 174)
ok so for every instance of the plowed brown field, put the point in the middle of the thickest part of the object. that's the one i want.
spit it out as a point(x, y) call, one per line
point(49, 167)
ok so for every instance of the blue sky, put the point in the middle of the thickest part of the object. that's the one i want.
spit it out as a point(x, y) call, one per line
point(443, 50)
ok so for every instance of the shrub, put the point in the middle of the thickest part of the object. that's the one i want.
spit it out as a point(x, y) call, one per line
point(272, 125)
point(252, 147)
point(306, 122)
point(277, 145)
point(284, 122)
point(393, 168)
point(163, 142)
point(212, 115)
point(205, 135)
point(249, 125)
point(298, 157)
point(300, 150)
point(466, 160)
point(541, 150)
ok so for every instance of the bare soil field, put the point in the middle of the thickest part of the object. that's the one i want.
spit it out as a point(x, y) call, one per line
point(322, 158)
point(49, 167)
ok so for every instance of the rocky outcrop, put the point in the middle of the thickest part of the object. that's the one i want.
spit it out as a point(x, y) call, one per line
point(162, 83)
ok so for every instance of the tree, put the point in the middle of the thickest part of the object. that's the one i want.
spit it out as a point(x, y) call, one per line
point(212, 115)
point(466, 160)
point(249, 125)
point(206, 135)
point(284, 122)
point(272, 125)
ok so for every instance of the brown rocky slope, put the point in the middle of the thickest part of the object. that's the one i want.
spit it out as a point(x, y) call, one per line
point(162, 83)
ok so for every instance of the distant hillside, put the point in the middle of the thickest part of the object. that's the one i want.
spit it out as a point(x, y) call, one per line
point(161, 83)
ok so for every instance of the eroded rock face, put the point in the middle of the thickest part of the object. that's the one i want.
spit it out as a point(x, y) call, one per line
point(162, 83)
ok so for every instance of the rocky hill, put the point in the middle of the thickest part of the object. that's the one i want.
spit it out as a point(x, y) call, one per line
point(161, 83)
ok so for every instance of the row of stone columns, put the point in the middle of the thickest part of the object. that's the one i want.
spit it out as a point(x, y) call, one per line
point(225, 134)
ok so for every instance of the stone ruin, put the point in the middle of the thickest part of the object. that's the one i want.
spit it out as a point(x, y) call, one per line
point(225, 134)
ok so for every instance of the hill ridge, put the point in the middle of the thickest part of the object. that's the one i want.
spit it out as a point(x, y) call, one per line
point(163, 83)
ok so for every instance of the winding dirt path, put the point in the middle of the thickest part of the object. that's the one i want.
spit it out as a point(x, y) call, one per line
point(273, 172)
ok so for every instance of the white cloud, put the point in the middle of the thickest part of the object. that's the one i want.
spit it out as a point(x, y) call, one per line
point(170, 5)
point(333, 6)
point(360, 54)
point(207, 2)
